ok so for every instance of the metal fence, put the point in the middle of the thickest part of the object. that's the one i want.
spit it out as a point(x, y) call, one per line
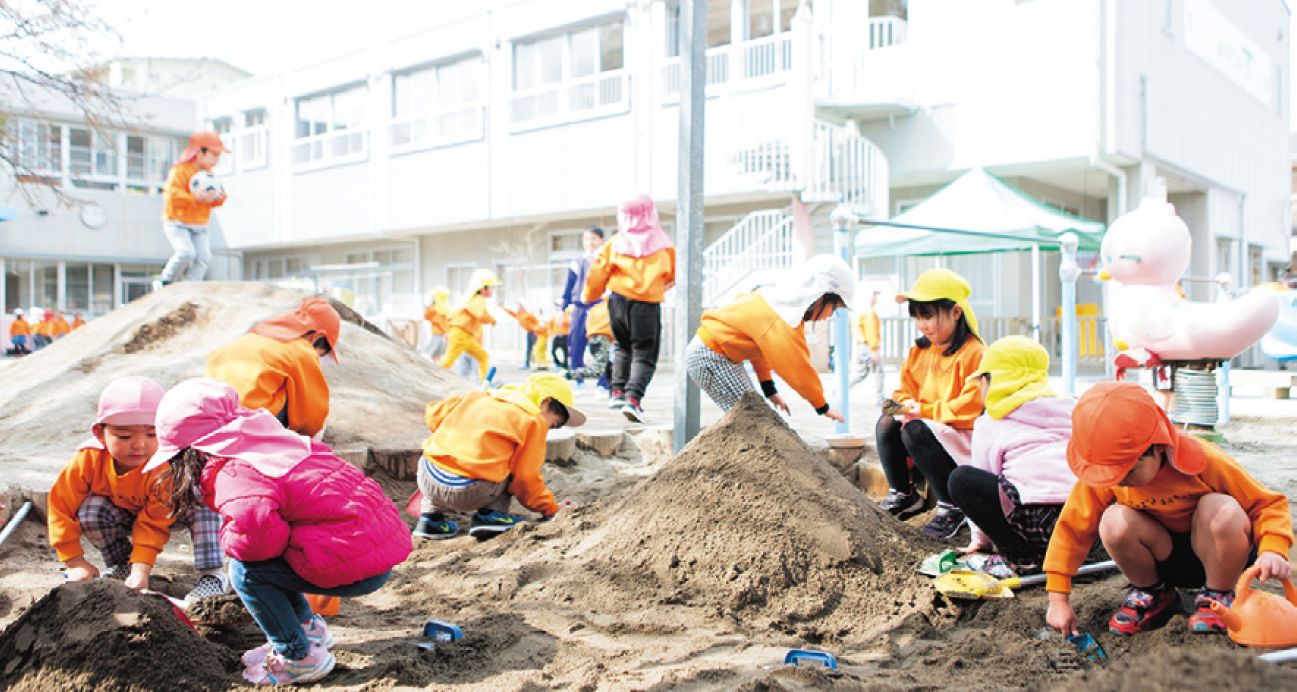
point(898, 335)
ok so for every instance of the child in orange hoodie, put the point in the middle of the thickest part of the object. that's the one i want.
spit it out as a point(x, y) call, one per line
point(487, 447)
point(104, 495)
point(19, 333)
point(185, 213)
point(638, 266)
point(938, 403)
point(276, 365)
point(466, 322)
point(1172, 511)
point(765, 328)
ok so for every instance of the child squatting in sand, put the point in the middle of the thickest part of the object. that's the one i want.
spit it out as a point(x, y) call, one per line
point(1172, 511)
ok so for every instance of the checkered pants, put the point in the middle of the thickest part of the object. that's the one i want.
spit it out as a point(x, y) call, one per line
point(724, 380)
point(600, 353)
point(108, 528)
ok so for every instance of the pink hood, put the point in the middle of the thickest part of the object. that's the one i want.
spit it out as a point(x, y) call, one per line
point(639, 233)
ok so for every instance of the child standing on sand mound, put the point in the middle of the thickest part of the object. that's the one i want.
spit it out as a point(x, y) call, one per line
point(297, 519)
point(1172, 511)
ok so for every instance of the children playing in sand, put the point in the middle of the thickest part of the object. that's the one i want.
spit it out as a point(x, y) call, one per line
point(637, 266)
point(466, 322)
point(1170, 509)
point(104, 495)
point(276, 365)
point(486, 448)
point(764, 328)
point(297, 519)
point(1017, 479)
point(936, 402)
point(186, 212)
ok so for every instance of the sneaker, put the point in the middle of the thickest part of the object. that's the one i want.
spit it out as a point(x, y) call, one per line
point(277, 670)
point(492, 523)
point(316, 631)
point(1204, 619)
point(1143, 609)
point(210, 584)
point(436, 527)
point(118, 572)
point(902, 505)
point(993, 564)
point(632, 410)
point(947, 522)
point(616, 400)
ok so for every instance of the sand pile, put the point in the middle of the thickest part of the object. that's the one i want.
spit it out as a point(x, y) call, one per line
point(1181, 670)
point(101, 635)
point(378, 391)
point(751, 525)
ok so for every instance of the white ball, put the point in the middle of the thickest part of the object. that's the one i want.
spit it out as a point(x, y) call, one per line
point(204, 182)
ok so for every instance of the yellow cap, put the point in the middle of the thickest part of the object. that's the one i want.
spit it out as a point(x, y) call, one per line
point(1019, 370)
point(943, 284)
point(536, 389)
point(481, 278)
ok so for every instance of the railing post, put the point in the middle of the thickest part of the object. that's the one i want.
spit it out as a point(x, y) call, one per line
point(841, 219)
point(1068, 272)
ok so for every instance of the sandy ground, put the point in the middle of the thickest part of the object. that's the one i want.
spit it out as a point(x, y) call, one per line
point(698, 571)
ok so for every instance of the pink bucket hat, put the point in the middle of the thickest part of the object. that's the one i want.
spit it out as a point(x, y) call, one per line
point(131, 400)
point(205, 414)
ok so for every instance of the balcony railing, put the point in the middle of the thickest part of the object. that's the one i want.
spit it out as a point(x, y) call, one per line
point(147, 169)
point(443, 128)
point(760, 241)
point(599, 95)
point(329, 148)
point(847, 168)
point(748, 64)
point(886, 31)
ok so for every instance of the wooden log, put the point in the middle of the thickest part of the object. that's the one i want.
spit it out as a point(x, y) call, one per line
point(401, 464)
point(560, 447)
point(605, 443)
point(356, 456)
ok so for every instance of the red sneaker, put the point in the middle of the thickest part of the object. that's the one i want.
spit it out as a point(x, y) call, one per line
point(1204, 619)
point(1144, 609)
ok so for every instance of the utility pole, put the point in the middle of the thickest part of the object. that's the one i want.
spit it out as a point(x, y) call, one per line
point(689, 210)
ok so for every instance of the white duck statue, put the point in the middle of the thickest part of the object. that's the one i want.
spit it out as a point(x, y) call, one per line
point(1144, 254)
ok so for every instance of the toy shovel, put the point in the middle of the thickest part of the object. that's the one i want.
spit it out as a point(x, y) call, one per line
point(976, 586)
point(938, 564)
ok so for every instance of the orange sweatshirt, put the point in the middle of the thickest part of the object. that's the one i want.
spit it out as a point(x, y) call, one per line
point(480, 436)
point(19, 327)
point(437, 318)
point(471, 316)
point(749, 329)
point(92, 472)
point(561, 323)
point(1170, 499)
point(59, 327)
point(645, 279)
point(938, 383)
point(78, 323)
point(526, 320)
point(597, 321)
point(869, 329)
point(179, 204)
point(271, 374)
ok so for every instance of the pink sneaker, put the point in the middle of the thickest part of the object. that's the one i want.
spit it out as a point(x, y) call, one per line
point(316, 632)
point(276, 670)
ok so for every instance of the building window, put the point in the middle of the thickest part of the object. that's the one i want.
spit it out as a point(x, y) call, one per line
point(148, 159)
point(330, 127)
point(93, 157)
point(569, 76)
point(252, 142)
point(40, 148)
point(438, 105)
point(565, 244)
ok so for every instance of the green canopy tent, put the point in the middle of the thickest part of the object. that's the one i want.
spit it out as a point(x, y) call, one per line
point(978, 213)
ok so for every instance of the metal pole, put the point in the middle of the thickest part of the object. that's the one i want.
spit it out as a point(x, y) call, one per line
point(841, 219)
point(1223, 281)
point(689, 210)
point(1068, 273)
point(1037, 273)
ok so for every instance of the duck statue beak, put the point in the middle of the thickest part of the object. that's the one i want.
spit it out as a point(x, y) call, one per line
point(1103, 275)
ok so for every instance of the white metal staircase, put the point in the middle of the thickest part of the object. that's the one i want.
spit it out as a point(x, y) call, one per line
point(839, 166)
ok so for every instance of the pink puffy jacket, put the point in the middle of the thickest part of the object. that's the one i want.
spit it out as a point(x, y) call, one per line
point(331, 523)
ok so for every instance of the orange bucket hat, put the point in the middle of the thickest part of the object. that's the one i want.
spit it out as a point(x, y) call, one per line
point(314, 316)
point(1113, 424)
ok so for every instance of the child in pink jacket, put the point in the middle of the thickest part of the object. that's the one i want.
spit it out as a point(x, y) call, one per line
point(1018, 478)
point(297, 519)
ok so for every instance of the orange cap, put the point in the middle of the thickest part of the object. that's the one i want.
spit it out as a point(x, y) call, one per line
point(314, 316)
point(205, 139)
point(1113, 424)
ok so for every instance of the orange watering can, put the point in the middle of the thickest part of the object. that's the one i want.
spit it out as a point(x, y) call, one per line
point(1258, 618)
point(326, 606)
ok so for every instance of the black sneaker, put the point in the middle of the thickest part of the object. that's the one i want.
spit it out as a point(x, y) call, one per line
point(632, 410)
point(947, 522)
point(902, 505)
point(436, 527)
point(492, 523)
point(616, 400)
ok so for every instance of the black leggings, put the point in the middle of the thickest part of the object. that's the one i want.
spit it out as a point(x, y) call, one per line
point(915, 440)
point(636, 332)
point(977, 492)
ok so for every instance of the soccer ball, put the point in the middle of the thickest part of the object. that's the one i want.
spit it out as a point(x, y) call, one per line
point(204, 182)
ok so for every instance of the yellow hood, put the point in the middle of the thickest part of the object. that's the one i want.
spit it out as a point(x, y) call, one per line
point(1019, 370)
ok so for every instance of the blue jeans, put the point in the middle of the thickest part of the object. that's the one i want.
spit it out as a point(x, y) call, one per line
point(576, 338)
point(273, 593)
